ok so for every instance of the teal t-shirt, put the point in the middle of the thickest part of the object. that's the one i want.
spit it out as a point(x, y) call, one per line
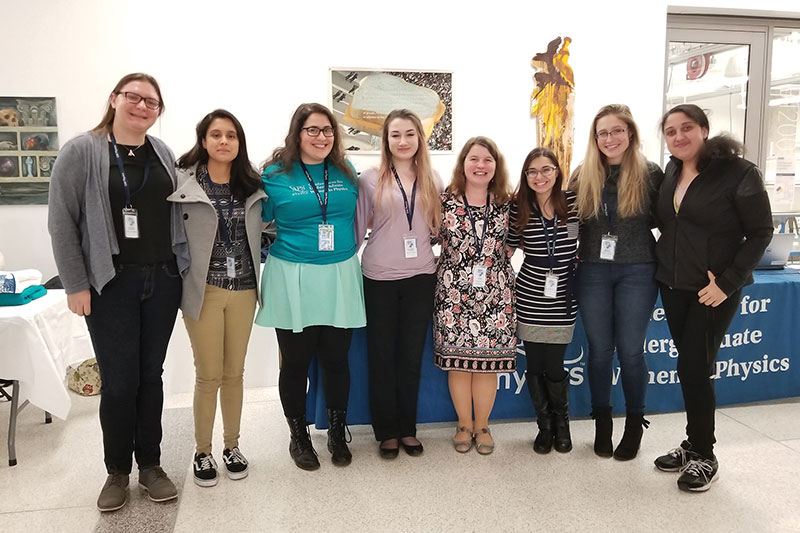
point(295, 209)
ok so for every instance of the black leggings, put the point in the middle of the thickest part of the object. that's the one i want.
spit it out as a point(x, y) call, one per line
point(330, 345)
point(547, 359)
point(697, 330)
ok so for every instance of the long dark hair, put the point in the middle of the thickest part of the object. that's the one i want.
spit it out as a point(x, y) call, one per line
point(288, 154)
point(244, 178)
point(108, 118)
point(721, 146)
point(525, 198)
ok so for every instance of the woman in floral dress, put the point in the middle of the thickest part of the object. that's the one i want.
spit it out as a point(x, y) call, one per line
point(474, 330)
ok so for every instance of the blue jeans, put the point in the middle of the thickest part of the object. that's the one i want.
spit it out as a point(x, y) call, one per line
point(130, 326)
point(616, 301)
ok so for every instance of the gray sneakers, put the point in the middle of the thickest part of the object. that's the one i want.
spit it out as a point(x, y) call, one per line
point(114, 493)
point(158, 486)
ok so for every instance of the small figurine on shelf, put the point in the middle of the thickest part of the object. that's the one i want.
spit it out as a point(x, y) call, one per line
point(29, 167)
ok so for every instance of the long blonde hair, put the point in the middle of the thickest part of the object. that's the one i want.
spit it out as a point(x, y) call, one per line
point(588, 178)
point(426, 182)
point(498, 187)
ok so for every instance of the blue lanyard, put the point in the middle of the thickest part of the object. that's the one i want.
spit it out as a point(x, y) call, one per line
point(323, 204)
point(479, 241)
point(610, 215)
point(222, 222)
point(551, 250)
point(409, 210)
point(122, 172)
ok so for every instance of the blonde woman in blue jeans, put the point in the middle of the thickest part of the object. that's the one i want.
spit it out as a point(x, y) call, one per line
point(616, 188)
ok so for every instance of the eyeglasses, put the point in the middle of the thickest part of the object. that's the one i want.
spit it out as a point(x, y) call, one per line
point(546, 172)
point(314, 131)
point(133, 98)
point(602, 135)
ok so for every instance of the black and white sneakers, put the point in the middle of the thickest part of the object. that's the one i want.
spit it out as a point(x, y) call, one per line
point(205, 467)
point(235, 463)
point(205, 470)
point(698, 474)
point(675, 459)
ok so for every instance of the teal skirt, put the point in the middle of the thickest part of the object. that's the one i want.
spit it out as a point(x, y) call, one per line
point(298, 295)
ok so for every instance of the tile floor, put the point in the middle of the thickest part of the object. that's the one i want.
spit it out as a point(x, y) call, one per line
point(60, 471)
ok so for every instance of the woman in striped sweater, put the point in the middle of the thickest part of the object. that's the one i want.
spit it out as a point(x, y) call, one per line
point(544, 223)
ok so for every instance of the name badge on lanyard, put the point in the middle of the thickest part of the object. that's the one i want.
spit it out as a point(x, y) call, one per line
point(550, 279)
point(225, 225)
point(130, 221)
point(230, 266)
point(409, 239)
point(479, 272)
point(608, 243)
point(130, 215)
point(608, 247)
point(324, 231)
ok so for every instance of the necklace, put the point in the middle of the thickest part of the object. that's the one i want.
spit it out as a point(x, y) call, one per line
point(131, 149)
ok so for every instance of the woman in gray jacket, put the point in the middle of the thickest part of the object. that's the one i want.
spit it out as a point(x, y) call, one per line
point(219, 193)
point(119, 247)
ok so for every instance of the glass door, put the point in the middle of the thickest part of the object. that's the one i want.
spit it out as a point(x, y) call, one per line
point(722, 72)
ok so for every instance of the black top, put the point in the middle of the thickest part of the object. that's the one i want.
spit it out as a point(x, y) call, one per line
point(724, 224)
point(220, 195)
point(154, 244)
point(635, 241)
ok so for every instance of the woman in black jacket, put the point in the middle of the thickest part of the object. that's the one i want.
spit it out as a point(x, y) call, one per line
point(715, 220)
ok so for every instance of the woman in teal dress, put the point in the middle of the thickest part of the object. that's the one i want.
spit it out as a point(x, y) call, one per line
point(311, 286)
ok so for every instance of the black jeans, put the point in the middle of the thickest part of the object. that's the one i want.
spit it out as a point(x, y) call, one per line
point(130, 326)
point(398, 315)
point(547, 359)
point(330, 345)
point(697, 331)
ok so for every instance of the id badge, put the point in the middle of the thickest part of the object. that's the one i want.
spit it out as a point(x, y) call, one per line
point(550, 285)
point(608, 247)
point(410, 246)
point(325, 237)
point(479, 276)
point(230, 266)
point(130, 221)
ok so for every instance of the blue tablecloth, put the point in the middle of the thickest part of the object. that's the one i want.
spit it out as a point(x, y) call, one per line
point(759, 360)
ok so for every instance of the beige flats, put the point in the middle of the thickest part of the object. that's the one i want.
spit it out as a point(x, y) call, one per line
point(462, 445)
point(484, 448)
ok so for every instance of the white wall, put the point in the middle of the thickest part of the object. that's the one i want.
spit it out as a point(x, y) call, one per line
point(260, 60)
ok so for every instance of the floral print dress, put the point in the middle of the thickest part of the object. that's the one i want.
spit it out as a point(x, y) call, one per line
point(474, 328)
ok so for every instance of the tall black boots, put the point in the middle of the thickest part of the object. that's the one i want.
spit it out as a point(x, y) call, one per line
point(551, 402)
point(337, 444)
point(541, 404)
point(558, 393)
point(300, 448)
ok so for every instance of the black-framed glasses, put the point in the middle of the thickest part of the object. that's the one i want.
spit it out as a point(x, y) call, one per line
point(602, 135)
point(314, 131)
point(135, 98)
point(546, 172)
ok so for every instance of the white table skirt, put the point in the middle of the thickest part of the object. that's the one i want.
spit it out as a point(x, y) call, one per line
point(38, 341)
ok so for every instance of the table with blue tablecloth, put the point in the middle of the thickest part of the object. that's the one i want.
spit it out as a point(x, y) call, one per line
point(759, 359)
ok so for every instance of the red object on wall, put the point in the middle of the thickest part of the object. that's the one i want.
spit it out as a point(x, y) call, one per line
point(697, 66)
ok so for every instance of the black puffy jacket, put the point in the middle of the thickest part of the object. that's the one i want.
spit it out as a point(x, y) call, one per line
point(724, 225)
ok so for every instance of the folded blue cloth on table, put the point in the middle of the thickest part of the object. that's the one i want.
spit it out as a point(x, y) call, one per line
point(28, 295)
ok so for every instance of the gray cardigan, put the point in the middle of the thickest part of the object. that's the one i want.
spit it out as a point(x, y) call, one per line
point(79, 213)
point(200, 219)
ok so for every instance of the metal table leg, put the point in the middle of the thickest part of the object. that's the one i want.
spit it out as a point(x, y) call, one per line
point(12, 422)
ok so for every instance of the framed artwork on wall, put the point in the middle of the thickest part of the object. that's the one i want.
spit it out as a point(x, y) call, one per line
point(362, 98)
point(28, 148)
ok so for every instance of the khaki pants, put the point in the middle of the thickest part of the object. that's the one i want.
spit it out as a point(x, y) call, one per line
point(219, 341)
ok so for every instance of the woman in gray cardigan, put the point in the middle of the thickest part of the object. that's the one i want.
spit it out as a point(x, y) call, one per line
point(219, 193)
point(120, 247)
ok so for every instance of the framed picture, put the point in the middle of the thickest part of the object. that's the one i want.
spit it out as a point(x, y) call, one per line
point(362, 98)
point(28, 148)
